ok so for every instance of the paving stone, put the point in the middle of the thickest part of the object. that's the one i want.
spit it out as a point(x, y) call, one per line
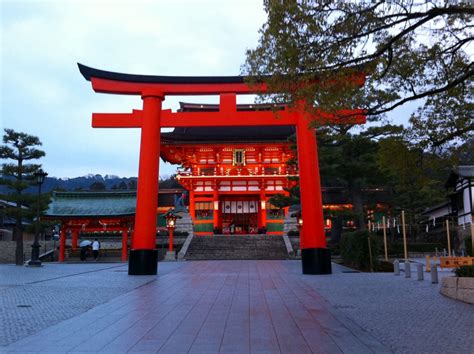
point(225, 306)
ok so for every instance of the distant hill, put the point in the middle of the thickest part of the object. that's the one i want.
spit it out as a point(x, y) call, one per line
point(92, 182)
point(89, 182)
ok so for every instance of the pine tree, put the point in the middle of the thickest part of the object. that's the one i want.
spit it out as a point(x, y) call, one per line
point(18, 176)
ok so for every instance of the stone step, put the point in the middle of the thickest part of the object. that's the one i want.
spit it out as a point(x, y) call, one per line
point(237, 247)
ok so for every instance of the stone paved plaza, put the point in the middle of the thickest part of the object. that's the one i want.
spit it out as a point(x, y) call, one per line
point(225, 306)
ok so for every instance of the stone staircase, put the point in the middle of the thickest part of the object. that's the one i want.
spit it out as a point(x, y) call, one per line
point(237, 247)
point(185, 224)
point(290, 224)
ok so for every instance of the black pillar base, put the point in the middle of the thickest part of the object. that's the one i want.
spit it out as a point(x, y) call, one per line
point(34, 263)
point(143, 262)
point(316, 261)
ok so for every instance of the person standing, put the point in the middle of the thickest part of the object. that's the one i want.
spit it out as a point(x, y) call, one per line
point(83, 253)
point(95, 249)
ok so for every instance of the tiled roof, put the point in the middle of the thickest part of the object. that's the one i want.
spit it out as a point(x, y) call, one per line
point(228, 134)
point(92, 204)
point(103, 203)
point(466, 171)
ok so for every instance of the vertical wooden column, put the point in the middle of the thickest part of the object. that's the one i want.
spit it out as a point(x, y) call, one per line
point(62, 244)
point(75, 236)
point(315, 256)
point(263, 207)
point(124, 245)
point(143, 255)
point(170, 243)
point(215, 206)
point(191, 203)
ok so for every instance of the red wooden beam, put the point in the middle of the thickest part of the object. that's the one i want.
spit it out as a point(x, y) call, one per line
point(117, 120)
point(137, 88)
point(224, 118)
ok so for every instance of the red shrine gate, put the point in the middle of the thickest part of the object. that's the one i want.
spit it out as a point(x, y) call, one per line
point(153, 90)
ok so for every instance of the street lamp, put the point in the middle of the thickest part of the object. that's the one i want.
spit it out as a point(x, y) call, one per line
point(299, 219)
point(171, 218)
point(40, 176)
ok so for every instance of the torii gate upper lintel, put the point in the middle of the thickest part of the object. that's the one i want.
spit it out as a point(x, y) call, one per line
point(153, 90)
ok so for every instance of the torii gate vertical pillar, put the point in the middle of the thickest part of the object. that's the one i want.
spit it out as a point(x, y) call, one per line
point(143, 254)
point(315, 257)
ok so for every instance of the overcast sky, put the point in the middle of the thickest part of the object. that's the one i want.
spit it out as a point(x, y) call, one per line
point(43, 93)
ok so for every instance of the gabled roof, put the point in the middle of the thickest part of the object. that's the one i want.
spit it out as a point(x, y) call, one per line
point(92, 204)
point(460, 171)
point(9, 204)
point(95, 204)
point(228, 134)
point(440, 206)
point(213, 107)
point(465, 171)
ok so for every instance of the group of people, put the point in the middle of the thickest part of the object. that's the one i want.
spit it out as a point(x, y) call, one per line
point(94, 246)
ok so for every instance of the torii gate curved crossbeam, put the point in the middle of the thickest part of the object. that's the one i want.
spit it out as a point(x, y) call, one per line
point(153, 90)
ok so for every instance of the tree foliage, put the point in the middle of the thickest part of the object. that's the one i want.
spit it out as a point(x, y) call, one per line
point(408, 49)
point(349, 161)
point(18, 176)
point(417, 178)
point(169, 182)
point(97, 186)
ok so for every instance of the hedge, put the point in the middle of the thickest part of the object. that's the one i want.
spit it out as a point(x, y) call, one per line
point(355, 250)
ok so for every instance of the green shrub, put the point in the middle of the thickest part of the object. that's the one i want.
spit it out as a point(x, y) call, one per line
point(465, 271)
point(335, 249)
point(384, 266)
point(354, 248)
point(397, 248)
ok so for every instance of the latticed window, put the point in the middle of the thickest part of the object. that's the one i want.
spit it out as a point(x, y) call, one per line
point(239, 157)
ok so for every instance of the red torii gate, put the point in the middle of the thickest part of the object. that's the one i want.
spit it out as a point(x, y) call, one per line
point(153, 90)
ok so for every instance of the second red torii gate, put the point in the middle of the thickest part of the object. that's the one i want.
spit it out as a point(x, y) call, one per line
point(153, 90)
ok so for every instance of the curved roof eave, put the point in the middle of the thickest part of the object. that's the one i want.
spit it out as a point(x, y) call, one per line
point(78, 216)
point(89, 72)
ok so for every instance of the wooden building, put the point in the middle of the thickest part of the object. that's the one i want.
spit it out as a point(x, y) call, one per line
point(100, 213)
point(231, 172)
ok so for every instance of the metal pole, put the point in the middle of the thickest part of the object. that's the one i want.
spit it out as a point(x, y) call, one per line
point(385, 238)
point(35, 261)
point(404, 236)
point(370, 255)
point(449, 239)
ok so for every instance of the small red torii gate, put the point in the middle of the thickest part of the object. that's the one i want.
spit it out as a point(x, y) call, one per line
point(153, 90)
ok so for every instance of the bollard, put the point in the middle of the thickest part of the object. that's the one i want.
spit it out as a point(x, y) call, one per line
point(407, 270)
point(396, 267)
point(428, 264)
point(434, 274)
point(419, 271)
